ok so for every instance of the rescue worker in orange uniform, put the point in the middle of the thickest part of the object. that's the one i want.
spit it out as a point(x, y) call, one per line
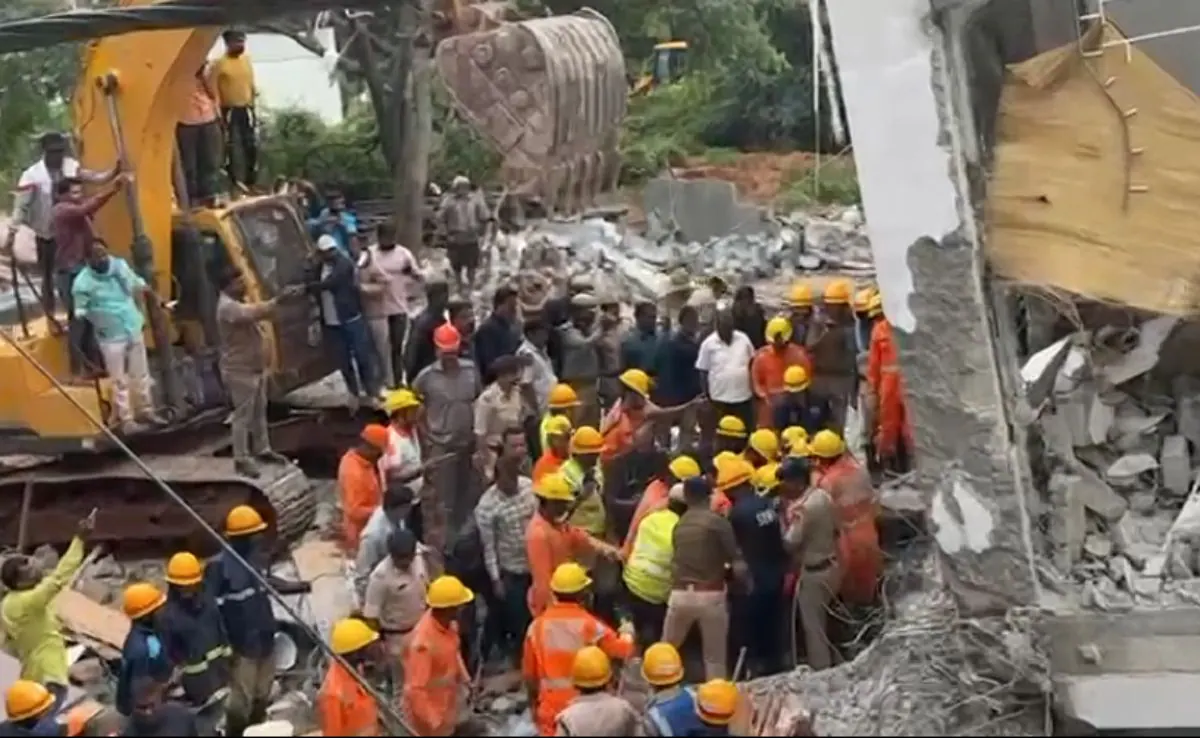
point(893, 432)
point(837, 472)
point(359, 484)
point(769, 364)
point(557, 449)
point(555, 637)
point(433, 667)
point(344, 707)
point(551, 541)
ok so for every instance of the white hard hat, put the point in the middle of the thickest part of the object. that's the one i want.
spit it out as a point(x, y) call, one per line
point(460, 181)
point(326, 243)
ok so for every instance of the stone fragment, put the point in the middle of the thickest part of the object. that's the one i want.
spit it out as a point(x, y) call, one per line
point(1147, 586)
point(1143, 503)
point(1100, 420)
point(1187, 417)
point(1155, 566)
point(1098, 496)
point(1075, 408)
point(1176, 465)
point(1125, 470)
point(1120, 569)
point(1097, 546)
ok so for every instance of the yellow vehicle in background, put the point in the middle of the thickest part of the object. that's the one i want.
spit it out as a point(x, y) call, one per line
point(667, 65)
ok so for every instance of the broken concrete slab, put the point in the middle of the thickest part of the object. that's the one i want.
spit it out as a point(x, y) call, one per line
point(322, 564)
point(700, 209)
point(1176, 464)
point(1097, 546)
point(1100, 420)
point(1125, 471)
point(1096, 495)
point(1041, 370)
point(1144, 356)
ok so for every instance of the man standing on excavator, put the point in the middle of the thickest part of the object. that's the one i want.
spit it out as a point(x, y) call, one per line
point(232, 77)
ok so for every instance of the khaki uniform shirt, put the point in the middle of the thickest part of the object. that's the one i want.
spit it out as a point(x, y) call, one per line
point(812, 535)
point(394, 597)
point(240, 331)
point(496, 411)
point(600, 714)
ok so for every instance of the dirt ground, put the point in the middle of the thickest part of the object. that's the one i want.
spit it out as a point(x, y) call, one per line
point(758, 176)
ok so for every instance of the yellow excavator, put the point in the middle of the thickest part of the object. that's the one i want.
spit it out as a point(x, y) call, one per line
point(667, 65)
point(549, 93)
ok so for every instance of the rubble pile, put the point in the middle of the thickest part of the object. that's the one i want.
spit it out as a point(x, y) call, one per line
point(1123, 509)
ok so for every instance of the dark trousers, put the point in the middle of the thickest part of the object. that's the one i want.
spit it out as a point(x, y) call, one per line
point(760, 614)
point(509, 615)
point(59, 691)
point(397, 332)
point(241, 143)
point(81, 340)
point(46, 254)
point(352, 343)
point(198, 152)
point(533, 437)
point(647, 619)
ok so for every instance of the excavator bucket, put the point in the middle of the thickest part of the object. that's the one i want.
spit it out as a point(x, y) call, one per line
point(550, 95)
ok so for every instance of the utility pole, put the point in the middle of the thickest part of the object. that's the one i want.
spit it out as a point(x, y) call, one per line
point(413, 69)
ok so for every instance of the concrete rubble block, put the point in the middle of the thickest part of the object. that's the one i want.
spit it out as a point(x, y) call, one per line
point(1096, 495)
point(700, 208)
point(1120, 569)
point(1100, 419)
point(1187, 417)
point(1075, 408)
point(1147, 586)
point(1097, 546)
point(1143, 503)
point(1068, 526)
point(1126, 471)
point(1176, 465)
point(1155, 566)
point(1144, 355)
point(1041, 370)
point(1180, 558)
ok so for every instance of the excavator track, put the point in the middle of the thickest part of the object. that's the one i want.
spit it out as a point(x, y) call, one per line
point(133, 512)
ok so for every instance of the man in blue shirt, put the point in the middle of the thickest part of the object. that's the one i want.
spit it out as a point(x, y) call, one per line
point(677, 382)
point(144, 655)
point(335, 220)
point(756, 526)
point(640, 346)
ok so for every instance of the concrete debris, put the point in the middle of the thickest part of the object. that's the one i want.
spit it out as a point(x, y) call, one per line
point(1144, 355)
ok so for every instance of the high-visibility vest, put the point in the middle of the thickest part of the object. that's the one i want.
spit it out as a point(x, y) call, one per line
point(589, 514)
point(648, 570)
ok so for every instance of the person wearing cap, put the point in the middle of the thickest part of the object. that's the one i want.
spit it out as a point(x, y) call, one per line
point(717, 702)
point(553, 639)
point(583, 472)
point(724, 366)
point(731, 436)
point(402, 460)
point(144, 655)
point(343, 707)
point(244, 368)
point(596, 711)
point(677, 382)
point(434, 672)
point(499, 334)
point(449, 387)
point(463, 219)
point(632, 411)
point(420, 351)
point(672, 708)
point(192, 632)
point(833, 347)
point(248, 618)
point(766, 481)
point(394, 599)
point(335, 286)
point(558, 444)
point(30, 708)
point(498, 408)
point(706, 551)
point(756, 528)
point(849, 486)
point(359, 485)
point(647, 572)
point(771, 363)
point(537, 380)
point(34, 202)
point(795, 440)
point(798, 406)
point(231, 76)
point(580, 356)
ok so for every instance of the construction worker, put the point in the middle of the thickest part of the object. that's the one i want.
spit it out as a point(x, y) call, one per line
point(556, 450)
point(647, 572)
point(716, 704)
point(32, 630)
point(766, 480)
point(654, 497)
point(798, 406)
point(563, 402)
point(359, 484)
point(762, 448)
point(193, 634)
point(551, 541)
point(705, 550)
point(248, 618)
point(434, 671)
point(731, 435)
point(343, 706)
point(769, 365)
point(812, 541)
point(672, 708)
point(862, 318)
point(596, 711)
point(831, 344)
point(403, 455)
point(553, 639)
point(394, 600)
point(756, 528)
point(144, 655)
point(30, 708)
point(795, 439)
point(893, 435)
point(800, 310)
point(849, 485)
point(582, 471)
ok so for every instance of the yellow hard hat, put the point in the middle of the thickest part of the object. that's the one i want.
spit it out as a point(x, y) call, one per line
point(636, 380)
point(732, 427)
point(716, 701)
point(793, 434)
point(558, 425)
point(662, 666)
point(795, 379)
point(800, 449)
point(554, 487)
point(875, 306)
point(400, 399)
point(827, 445)
point(684, 467)
point(779, 328)
point(185, 569)
point(447, 591)
point(800, 295)
point(587, 440)
point(725, 457)
point(26, 699)
point(862, 298)
point(733, 472)
point(569, 578)
point(838, 292)
point(591, 668)
point(350, 635)
point(142, 598)
point(563, 396)
point(242, 521)
point(765, 442)
point(766, 477)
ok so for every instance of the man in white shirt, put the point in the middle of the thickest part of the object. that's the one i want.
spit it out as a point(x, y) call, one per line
point(537, 379)
point(399, 267)
point(724, 366)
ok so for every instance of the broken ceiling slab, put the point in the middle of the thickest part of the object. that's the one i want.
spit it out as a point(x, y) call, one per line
point(1041, 371)
point(1144, 356)
point(1124, 472)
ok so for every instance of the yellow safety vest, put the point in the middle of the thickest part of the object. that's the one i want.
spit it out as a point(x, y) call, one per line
point(543, 434)
point(590, 514)
point(648, 571)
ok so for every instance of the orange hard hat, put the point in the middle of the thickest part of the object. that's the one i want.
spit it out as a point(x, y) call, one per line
point(376, 435)
point(447, 338)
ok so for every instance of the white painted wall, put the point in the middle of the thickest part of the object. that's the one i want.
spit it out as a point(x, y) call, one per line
point(290, 76)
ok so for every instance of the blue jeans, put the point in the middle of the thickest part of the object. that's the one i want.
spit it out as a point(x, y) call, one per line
point(352, 342)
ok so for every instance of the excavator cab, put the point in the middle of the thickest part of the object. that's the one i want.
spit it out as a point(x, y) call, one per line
point(667, 65)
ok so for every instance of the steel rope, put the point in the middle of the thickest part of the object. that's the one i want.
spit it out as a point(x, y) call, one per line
point(383, 703)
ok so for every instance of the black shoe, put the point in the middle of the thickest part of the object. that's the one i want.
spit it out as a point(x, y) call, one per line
point(246, 468)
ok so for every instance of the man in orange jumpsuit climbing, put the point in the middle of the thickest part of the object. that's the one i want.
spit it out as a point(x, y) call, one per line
point(769, 365)
point(433, 667)
point(359, 485)
point(553, 640)
point(344, 707)
point(893, 432)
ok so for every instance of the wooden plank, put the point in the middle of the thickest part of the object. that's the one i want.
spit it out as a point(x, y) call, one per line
point(85, 617)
